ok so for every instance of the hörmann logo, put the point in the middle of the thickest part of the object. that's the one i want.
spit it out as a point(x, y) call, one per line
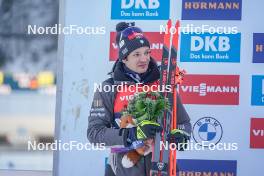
point(257, 133)
point(210, 89)
point(156, 44)
point(257, 91)
point(258, 48)
point(211, 10)
point(210, 47)
point(140, 9)
point(194, 167)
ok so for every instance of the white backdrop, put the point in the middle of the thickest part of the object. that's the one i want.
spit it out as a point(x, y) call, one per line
point(84, 60)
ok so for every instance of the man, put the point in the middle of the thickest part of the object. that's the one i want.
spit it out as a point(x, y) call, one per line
point(134, 65)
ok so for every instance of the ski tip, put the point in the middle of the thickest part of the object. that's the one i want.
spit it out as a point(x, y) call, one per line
point(166, 39)
point(177, 24)
point(169, 22)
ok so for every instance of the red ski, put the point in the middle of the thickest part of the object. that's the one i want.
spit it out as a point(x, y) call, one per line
point(163, 161)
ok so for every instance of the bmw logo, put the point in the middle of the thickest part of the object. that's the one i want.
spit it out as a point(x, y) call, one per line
point(207, 130)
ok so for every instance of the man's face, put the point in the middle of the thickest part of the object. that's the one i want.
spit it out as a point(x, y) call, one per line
point(138, 60)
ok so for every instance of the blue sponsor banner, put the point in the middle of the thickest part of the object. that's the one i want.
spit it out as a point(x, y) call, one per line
point(207, 167)
point(208, 47)
point(257, 92)
point(258, 48)
point(211, 9)
point(140, 9)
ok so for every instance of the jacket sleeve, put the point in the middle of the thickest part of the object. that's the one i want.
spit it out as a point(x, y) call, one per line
point(183, 119)
point(100, 120)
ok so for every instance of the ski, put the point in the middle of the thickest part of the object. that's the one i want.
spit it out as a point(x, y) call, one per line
point(173, 96)
point(164, 161)
point(159, 165)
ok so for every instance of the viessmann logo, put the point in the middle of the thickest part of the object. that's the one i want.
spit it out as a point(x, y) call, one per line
point(210, 47)
point(211, 10)
point(257, 133)
point(258, 48)
point(155, 39)
point(210, 89)
point(140, 9)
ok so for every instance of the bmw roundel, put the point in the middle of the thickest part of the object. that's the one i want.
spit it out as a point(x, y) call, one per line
point(207, 130)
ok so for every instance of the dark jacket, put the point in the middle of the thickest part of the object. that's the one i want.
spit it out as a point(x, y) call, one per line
point(101, 119)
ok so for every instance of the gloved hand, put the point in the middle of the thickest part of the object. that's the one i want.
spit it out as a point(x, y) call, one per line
point(145, 130)
point(179, 137)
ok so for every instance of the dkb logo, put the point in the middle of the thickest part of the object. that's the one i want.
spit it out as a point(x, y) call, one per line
point(209, 43)
point(257, 92)
point(138, 4)
point(210, 47)
point(140, 9)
